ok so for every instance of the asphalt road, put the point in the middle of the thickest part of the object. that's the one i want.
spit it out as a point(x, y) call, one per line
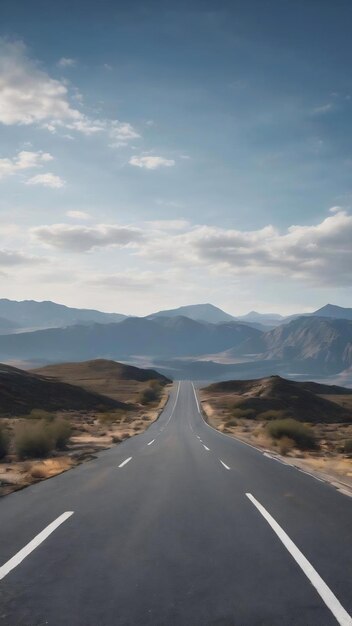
point(180, 526)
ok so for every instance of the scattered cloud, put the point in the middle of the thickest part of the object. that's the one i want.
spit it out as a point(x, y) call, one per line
point(84, 238)
point(78, 215)
point(47, 180)
point(24, 160)
point(121, 133)
point(66, 62)
point(28, 95)
point(324, 108)
point(151, 162)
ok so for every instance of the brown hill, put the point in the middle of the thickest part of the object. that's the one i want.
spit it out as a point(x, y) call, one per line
point(21, 391)
point(109, 378)
point(286, 397)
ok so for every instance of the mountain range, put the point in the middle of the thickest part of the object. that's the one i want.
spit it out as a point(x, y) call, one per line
point(32, 315)
point(318, 344)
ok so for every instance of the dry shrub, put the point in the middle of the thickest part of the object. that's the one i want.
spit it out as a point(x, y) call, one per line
point(38, 439)
point(38, 471)
point(61, 432)
point(33, 440)
point(302, 435)
point(41, 414)
point(347, 447)
point(231, 422)
point(238, 412)
point(272, 414)
point(151, 394)
point(4, 442)
point(110, 417)
point(286, 445)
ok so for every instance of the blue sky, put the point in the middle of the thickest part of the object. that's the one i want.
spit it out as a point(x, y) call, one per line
point(157, 154)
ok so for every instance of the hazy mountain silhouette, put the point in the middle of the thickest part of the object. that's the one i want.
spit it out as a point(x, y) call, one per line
point(7, 326)
point(199, 312)
point(29, 314)
point(307, 344)
point(179, 336)
point(332, 310)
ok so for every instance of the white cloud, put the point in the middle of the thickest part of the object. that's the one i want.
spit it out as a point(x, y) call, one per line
point(9, 258)
point(85, 238)
point(320, 254)
point(22, 161)
point(121, 133)
point(78, 215)
point(151, 162)
point(28, 95)
point(66, 62)
point(46, 180)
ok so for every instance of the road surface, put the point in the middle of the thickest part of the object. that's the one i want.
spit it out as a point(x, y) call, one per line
point(179, 526)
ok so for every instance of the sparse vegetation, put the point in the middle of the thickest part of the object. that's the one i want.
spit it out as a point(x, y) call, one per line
point(36, 439)
point(238, 412)
point(4, 442)
point(302, 435)
point(285, 445)
point(60, 430)
point(231, 422)
point(40, 414)
point(347, 448)
point(151, 394)
point(272, 414)
point(33, 440)
point(110, 417)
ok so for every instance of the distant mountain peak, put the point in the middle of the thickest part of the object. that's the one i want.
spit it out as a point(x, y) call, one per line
point(333, 310)
point(204, 312)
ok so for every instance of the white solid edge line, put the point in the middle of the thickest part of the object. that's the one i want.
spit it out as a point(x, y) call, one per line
point(150, 442)
point(173, 409)
point(195, 395)
point(32, 545)
point(336, 608)
point(125, 461)
point(224, 464)
point(205, 448)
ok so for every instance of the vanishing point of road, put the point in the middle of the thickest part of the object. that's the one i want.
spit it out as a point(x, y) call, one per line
point(178, 526)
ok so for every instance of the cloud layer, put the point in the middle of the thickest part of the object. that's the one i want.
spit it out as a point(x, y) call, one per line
point(319, 254)
point(84, 238)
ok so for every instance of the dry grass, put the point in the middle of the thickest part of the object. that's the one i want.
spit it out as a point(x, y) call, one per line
point(50, 467)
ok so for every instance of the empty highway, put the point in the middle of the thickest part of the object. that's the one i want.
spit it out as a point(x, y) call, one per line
point(179, 526)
